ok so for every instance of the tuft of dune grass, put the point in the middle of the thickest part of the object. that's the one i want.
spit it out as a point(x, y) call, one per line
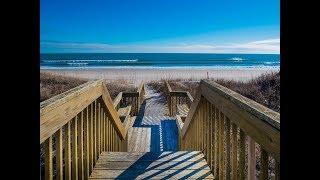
point(264, 89)
point(53, 84)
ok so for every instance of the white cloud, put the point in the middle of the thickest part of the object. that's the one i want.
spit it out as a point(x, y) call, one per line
point(259, 46)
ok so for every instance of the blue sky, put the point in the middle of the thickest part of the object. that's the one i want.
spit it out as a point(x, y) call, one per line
point(197, 26)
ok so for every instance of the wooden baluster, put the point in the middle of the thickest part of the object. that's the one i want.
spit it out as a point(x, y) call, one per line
point(67, 155)
point(216, 148)
point(104, 131)
point(74, 149)
point(108, 134)
point(98, 131)
point(234, 152)
point(86, 145)
point(112, 138)
point(48, 173)
point(208, 144)
point(101, 130)
point(264, 164)
point(59, 154)
point(94, 132)
point(211, 119)
point(251, 160)
point(80, 146)
point(242, 155)
point(221, 150)
point(227, 134)
point(91, 137)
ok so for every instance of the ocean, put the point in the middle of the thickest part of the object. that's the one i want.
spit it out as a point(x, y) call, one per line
point(157, 60)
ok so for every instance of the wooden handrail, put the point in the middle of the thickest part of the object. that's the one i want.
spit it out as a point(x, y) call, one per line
point(59, 110)
point(86, 121)
point(117, 100)
point(215, 116)
point(174, 98)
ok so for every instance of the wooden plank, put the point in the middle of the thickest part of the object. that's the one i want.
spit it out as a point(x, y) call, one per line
point(74, 149)
point(48, 173)
point(167, 165)
point(59, 154)
point(154, 174)
point(264, 164)
point(80, 146)
point(147, 165)
point(165, 156)
point(237, 109)
point(67, 155)
point(251, 160)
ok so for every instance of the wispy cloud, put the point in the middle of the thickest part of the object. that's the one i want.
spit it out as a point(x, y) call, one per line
point(259, 46)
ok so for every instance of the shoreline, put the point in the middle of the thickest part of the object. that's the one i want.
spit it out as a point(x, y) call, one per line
point(136, 75)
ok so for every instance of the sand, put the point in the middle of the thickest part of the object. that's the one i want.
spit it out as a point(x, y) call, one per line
point(136, 75)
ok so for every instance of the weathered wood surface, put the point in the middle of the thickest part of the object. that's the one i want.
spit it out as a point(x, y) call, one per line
point(125, 111)
point(258, 122)
point(183, 109)
point(165, 165)
point(59, 110)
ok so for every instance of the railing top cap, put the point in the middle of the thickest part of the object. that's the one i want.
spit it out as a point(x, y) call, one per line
point(65, 95)
point(256, 109)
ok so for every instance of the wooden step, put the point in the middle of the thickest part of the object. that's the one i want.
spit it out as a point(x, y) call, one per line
point(123, 112)
point(164, 165)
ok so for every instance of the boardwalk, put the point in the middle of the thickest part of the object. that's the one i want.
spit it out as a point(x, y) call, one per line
point(153, 130)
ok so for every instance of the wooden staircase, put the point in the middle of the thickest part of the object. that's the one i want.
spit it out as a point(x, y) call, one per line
point(150, 165)
point(84, 134)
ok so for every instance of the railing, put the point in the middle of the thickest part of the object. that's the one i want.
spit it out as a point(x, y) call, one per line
point(235, 133)
point(76, 126)
point(175, 98)
point(133, 98)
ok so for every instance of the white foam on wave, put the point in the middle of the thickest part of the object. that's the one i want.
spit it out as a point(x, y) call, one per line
point(90, 60)
point(237, 59)
point(163, 67)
